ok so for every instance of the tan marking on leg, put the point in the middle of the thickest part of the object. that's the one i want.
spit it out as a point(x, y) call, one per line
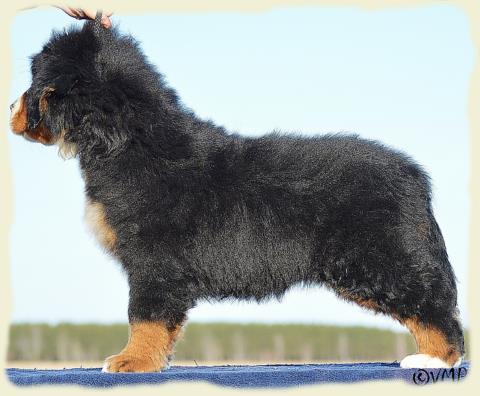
point(147, 350)
point(96, 219)
point(431, 341)
point(175, 335)
point(18, 117)
point(367, 303)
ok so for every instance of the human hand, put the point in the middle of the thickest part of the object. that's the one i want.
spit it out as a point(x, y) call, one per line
point(80, 13)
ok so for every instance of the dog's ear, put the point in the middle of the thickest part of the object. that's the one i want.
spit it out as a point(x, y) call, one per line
point(105, 125)
point(81, 112)
point(37, 105)
point(38, 101)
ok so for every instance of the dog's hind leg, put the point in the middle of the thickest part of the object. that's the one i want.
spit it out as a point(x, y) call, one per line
point(410, 279)
point(435, 325)
point(439, 337)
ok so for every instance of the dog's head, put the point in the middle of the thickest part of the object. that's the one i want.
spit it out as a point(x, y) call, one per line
point(87, 87)
point(48, 111)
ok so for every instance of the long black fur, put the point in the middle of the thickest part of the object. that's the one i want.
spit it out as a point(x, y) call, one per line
point(200, 213)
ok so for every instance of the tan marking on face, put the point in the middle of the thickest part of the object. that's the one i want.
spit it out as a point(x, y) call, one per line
point(431, 341)
point(147, 350)
point(19, 125)
point(18, 116)
point(19, 121)
point(96, 219)
point(40, 134)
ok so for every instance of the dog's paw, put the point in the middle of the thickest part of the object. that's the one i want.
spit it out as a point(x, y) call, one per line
point(421, 360)
point(125, 363)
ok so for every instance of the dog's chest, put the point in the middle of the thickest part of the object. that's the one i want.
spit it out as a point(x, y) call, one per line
point(96, 219)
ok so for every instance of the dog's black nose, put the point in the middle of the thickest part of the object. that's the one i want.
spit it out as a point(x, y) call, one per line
point(11, 106)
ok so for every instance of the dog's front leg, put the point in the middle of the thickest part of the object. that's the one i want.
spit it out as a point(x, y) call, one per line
point(156, 319)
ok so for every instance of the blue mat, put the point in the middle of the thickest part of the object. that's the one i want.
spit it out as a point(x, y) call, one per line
point(279, 376)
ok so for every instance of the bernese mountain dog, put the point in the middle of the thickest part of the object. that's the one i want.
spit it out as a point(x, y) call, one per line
point(193, 212)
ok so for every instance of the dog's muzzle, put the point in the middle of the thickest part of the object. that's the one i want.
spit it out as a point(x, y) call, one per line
point(18, 115)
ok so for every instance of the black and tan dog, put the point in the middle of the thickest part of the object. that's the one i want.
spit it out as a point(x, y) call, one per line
point(193, 212)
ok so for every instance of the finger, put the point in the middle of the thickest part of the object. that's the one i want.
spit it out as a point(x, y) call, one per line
point(69, 11)
point(76, 13)
point(89, 14)
point(80, 13)
point(106, 23)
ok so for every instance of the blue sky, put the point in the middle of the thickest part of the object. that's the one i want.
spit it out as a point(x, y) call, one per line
point(400, 76)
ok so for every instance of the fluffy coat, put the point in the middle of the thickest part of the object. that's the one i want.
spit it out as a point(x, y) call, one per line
point(198, 213)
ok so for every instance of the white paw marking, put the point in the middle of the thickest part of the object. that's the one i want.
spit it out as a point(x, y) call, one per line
point(105, 367)
point(421, 360)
